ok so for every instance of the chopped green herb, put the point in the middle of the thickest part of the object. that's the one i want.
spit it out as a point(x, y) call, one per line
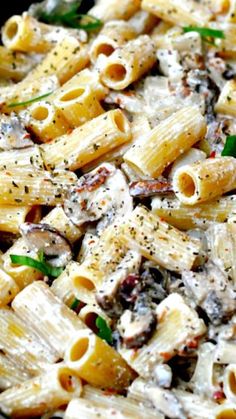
point(206, 33)
point(27, 102)
point(230, 146)
point(71, 18)
point(75, 304)
point(104, 331)
point(40, 265)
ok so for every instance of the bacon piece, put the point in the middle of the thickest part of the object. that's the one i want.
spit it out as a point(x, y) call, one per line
point(145, 188)
point(92, 181)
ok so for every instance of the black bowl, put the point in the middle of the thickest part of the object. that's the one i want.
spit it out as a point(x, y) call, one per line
point(15, 7)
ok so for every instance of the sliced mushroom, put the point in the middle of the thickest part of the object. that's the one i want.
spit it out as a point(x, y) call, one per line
point(54, 245)
point(12, 133)
point(146, 188)
point(102, 194)
point(212, 291)
point(137, 328)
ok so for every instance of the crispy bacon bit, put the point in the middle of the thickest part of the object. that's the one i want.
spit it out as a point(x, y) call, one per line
point(145, 188)
point(218, 395)
point(92, 181)
point(193, 344)
point(129, 289)
point(166, 356)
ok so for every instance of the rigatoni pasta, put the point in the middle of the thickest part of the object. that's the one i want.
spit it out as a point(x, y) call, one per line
point(118, 211)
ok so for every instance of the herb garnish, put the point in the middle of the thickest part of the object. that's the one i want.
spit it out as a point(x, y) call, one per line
point(75, 304)
point(41, 265)
point(104, 331)
point(230, 146)
point(207, 34)
point(27, 102)
point(71, 18)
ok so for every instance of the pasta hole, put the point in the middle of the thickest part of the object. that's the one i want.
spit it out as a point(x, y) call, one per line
point(232, 382)
point(68, 380)
point(40, 113)
point(227, 414)
point(121, 122)
point(83, 282)
point(116, 72)
point(73, 94)
point(105, 49)
point(12, 30)
point(186, 185)
point(79, 349)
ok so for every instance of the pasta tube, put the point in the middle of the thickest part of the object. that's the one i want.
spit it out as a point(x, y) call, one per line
point(24, 33)
point(22, 345)
point(128, 63)
point(37, 395)
point(12, 216)
point(78, 104)
point(8, 288)
point(229, 383)
point(227, 101)
point(168, 140)
point(10, 373)
point(178, 325)
point(88, 142)
point(203, 215)
point(27, 157)
point(113, 35)
point(28, 186)
point(115, 9)
point(67, 58)
point(96, 362)
point(158, 241)
point(204, 181)
point(46, 121)
point(180, 12)
point(14, 66)
point(225, 411)
point(50, 318)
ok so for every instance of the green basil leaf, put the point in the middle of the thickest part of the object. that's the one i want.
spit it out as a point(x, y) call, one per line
point(205, 32)
point(104, 331)
point(230, 146)
point(43, 267)
point(27, 102)
point(75, 304)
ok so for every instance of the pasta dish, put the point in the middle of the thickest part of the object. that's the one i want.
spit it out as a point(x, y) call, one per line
point(118, 210)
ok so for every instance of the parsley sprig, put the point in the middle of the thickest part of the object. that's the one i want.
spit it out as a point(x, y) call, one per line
point(40, 265)
point(70, 17)
point(207, 34)
point(230, 146)
point(28, 102)
point(104, 331)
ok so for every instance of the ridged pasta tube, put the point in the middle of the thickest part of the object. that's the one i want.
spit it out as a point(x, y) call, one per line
point(115, 9)
point(206, 180)
point(96, 362)
point(88, 142)
point(36, 396)
point(128, 63)
point(163, 144)
point(180, 12)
